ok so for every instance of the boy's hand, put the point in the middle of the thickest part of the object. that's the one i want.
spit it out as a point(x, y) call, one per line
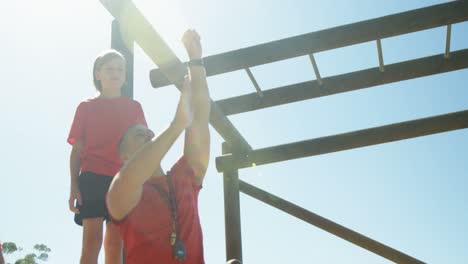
point(75, 195)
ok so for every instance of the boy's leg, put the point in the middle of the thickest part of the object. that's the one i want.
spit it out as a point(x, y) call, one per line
point(113, 244)
point(92, 240)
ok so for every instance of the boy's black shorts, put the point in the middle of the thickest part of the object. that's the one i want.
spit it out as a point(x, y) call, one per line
point(93, 188)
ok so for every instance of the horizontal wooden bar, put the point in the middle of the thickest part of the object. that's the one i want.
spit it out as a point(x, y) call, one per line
point(346, 141)
point(327, 225)
point(333, 38)
point(346, 82)
point(137, 28)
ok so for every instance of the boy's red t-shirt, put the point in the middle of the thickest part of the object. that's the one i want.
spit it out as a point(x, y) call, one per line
point(100, 123)
point(147, 228)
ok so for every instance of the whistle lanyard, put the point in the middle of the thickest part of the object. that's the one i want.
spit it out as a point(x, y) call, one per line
point(170, 198)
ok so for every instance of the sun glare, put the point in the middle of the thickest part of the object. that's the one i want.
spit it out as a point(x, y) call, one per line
point(166, 16)
point(140, 20)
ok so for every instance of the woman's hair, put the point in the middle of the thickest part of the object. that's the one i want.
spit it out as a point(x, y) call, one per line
point(102, 59)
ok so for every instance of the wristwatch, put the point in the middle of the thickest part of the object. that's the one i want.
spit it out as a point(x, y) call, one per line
point(196, 62)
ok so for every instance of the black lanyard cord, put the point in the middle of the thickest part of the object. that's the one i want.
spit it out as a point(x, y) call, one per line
point(171, 201)
point(178, 246)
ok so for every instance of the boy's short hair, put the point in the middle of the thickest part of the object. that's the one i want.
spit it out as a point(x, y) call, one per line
point(100, 60)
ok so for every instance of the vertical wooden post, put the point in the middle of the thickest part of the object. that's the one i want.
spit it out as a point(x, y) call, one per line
point(232, 216)
point(126, 48)
point(232, 212)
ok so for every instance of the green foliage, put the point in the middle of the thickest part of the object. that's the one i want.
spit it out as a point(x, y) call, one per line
point(32, 258)
point(28, 259)
point(42, 248)
point(9, 247)
point(43, 256)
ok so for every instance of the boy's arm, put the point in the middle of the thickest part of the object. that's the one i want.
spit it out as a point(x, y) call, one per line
point(75, 194)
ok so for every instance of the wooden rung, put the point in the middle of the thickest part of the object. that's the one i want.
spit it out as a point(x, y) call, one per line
point(314, 65)
point(252, 78)
point(447, 41)
point(379, 50)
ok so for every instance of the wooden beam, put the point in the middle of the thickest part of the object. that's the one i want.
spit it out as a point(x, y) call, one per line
point(333, 38)
point(346, 141)
point(327, 225)
point(346, 82)
point(135, 26)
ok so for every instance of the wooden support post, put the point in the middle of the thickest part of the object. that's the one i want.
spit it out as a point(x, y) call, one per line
point(126, 48)
point(232, 216)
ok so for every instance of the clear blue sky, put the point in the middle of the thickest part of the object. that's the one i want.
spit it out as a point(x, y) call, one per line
point(410, 195)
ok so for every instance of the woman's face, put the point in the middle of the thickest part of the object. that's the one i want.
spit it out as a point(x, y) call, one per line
point(112, 74)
